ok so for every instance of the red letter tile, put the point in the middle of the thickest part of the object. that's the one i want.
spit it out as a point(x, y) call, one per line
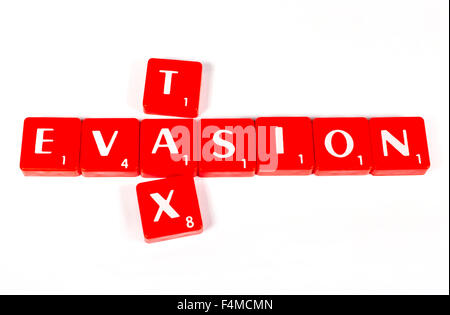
point(172, 87)
point(342, 146)
point(399, 146)
point(167, 147)
point(285, 146)
point(228, 147)
point(169, 208)
point(51, 147)
point(110, 147)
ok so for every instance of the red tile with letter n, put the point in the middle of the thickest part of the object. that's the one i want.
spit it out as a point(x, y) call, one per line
point(228, 147)
point(342, 146)
point(399, 146)
point(110, 147)
point(169, 208)
point(172, 87)
point(50, 146)
point(285, 146)
point(167, 147)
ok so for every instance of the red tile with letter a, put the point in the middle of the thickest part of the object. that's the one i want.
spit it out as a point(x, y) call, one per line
point(342, 146)
point(172, 87)
point(285, 146)
point(399, 146)
point(110, 147)
point(50, 147)
point(228, 147)
point(167, 148)
point(169, 208)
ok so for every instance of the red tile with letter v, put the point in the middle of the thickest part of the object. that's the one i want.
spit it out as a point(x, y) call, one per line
point(228, 147)
point(285, 146)
point(399, 146)
point(169, 208)
point(342, 146)
point(172, 87)
point(167, 147)
point(110, 147)
point(50, 146)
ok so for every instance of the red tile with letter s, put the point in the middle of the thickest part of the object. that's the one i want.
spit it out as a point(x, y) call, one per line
point(342, 146)
point(169, 208)
point(167, 147)
point(50, 146)
point(110, 147)
point(228, 147)
point(172, 87)
point(399, 146)
point(285, 146)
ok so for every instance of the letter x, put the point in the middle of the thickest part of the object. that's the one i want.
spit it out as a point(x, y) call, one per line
point(164, 206)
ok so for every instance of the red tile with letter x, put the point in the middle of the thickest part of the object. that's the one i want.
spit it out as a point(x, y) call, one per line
point(342, 146)
point(51, 146)
point(285, 146)
point(110, 147)
point(169, 208)
point(167, 147)
point(399, 146)
point(172, 87)
point(228, 147)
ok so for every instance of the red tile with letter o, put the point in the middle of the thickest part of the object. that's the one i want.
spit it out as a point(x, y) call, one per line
point(169, 208)
point(399, 146)
point(167, 147)
point(50, 146)
point(285, 146)
point(228, 147)
point(172, 87)
point(342, 146)
point(110, 147)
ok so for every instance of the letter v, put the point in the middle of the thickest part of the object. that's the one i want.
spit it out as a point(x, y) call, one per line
point(102, 148)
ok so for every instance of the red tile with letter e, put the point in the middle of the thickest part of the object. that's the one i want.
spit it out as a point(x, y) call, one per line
point(285, 146)
point(110, 147)
point(50, 146)
point(172, 87)
point(342, 146)
point(228, 147)
point(167, 147)
point(169, 208)
point(399, 146)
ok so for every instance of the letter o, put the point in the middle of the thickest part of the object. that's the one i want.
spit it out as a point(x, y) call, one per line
point(329, 145)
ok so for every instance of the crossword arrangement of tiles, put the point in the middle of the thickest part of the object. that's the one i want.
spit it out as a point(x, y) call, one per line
point(181, 148)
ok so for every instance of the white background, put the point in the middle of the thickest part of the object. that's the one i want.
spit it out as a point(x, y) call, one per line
point(264, 234)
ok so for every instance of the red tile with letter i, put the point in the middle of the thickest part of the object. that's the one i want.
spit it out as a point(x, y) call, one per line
point(50, 146)
point(342, 146)
point(399, 146)
point(228, 147)
point(167, 147)
point(285, 146)
point(110, 147)
point(172, 87)
point(169, 208)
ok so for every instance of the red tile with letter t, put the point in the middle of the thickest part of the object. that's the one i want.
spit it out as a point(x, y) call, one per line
point(228, 147)
point(110, 147)
point(172, 87)
point(169, 208)
point(50, 146)
point(342, 146)
point(167, 147)
point(285, 146)
point(399, 146)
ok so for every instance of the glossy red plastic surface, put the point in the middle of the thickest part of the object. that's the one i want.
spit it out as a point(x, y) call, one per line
point(169, 208)
point(172, 87)
point(50, 146)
